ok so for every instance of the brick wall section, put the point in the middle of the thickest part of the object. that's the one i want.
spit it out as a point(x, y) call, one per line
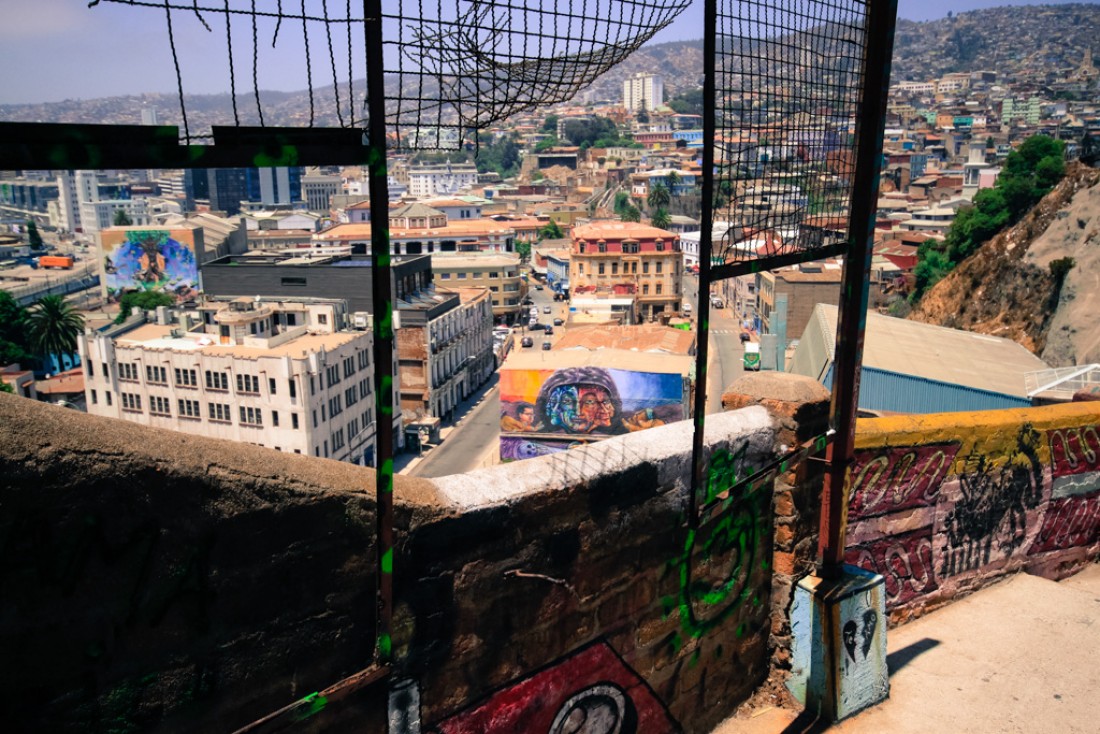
point(155, 581)
point(800, 408)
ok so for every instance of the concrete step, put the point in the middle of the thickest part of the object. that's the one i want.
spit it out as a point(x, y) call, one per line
point(1020, 656)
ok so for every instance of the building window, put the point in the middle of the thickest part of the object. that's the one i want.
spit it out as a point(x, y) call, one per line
point(216, 380)
point(95, 399)
point(294, 281)
point(293, 388)
point(91, 370)
point(645, 289)
point(660, 246)
point(353, 428)
point(350, 398)
point(634, 268)
point(630, 248)
point(106, 373)
point(364, 359)
point(349, 366)
point(108, 396)
point(275, 418)
point(322, 319)
point(189, 409)
point(335, 406)
point(444, 276)
point(645, 268)
point(127, 371)
point(657, 265)
point(333, 374)
point(220, 412)
point(248, 384)
point(271, 385)
point(614, 268)
point(601, 246)
point(159, 405)
point(291, 319)
point(251, 416)
point(601, 268)
point(338, 440)
point(186, 378)
point(294, 421)
point(658, 289)
point(131, 402)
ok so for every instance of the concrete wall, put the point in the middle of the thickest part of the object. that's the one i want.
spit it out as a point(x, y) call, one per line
point(156, 581)
point(944, 504)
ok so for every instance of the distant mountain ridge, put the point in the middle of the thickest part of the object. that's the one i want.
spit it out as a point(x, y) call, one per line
point(1007, 40)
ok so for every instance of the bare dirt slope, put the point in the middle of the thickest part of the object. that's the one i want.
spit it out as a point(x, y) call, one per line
point(1005, 289)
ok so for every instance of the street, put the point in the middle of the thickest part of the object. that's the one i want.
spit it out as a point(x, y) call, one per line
point(468, 443)
point(725, 364)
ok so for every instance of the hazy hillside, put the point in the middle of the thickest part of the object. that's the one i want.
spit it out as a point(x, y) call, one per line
point(1008, 40)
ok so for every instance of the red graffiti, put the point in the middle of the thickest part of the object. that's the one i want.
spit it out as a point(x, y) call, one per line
point(592, 690)
point(887, 480)
point(1069, 522)
point(1074, 450)
point(904, 560)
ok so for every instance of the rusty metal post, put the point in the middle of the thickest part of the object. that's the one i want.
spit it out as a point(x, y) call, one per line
point(881, 19)
point(383, 321)
point(710, 82)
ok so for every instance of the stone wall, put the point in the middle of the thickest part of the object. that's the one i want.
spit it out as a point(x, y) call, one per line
point(151, 580)
point(944, 504)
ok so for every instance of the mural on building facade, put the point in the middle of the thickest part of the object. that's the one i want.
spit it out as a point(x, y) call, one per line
point(163, 260)
point(930, 517)
point(546, 411)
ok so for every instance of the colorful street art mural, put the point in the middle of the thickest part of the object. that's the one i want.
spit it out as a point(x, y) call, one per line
point(591, 690)
point(1013, 491)
point(547, 411)
point(164, 260)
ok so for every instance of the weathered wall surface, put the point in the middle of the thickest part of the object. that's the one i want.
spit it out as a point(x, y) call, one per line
point(944, 504)
point(155, 581)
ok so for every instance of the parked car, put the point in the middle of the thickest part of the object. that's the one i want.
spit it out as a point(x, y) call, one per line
point(558, 322)
point(546, 309)
point(686, 307)
point(548, 329)
point(535, 326)
point(527, 341)
point(538, 287)
point(717, 302)
point(546, 346)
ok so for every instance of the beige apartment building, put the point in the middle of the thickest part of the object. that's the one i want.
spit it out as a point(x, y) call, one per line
point(497, 271)
point(284, 375)
point(628, 258)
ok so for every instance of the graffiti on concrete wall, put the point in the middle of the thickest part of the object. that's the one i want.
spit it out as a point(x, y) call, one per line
point(930, 516)
point(591, 690)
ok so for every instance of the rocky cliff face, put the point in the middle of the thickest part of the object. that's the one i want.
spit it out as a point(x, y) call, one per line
point(1006, 288)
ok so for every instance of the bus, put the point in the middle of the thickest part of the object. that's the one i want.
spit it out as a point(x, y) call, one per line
point(752, 356)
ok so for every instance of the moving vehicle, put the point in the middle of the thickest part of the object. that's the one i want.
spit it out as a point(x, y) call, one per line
point(686, 307)
point(752, 356)
point(538, 287)
point(546, 346)
point(558, 322)
point(527, 342)
point(717, 302)
point(549, 329)
point(546, 309)
point(56, 261)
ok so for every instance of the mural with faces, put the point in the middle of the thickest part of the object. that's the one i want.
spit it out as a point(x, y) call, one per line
point(546, 411)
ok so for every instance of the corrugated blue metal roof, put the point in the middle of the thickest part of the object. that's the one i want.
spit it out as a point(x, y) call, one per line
point(882, 390)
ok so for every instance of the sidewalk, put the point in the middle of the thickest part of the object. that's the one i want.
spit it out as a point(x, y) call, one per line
point(1021, 656)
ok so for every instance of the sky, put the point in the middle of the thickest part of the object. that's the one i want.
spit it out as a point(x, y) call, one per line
point(51, 50)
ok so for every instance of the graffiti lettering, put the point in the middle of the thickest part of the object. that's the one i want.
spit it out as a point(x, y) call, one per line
point(1069, 523)
point(1074, 450)
point(904, 561)
point(899, 478)
point(991, 512)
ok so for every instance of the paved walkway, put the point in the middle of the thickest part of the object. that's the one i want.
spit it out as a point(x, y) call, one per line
point(1022, 656)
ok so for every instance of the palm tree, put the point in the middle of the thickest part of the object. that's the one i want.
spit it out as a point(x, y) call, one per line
point(53, 326)
point(661, 219)
point(658, 196)
point(630, 214)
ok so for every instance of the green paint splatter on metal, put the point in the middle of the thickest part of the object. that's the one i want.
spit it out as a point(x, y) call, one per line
point(385, 645)
point(387, 561)
point(387, 471)
point(783, 468)
point(287, 156)
point(384, 259)
point(316, 702)
point(741, 630)
point(694, 660)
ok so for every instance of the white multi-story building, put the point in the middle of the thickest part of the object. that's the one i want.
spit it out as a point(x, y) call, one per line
point(74, 189)
point(96, 216)
point(317, 191)
point(442, 180)
point(280, 374)
point(643, 91)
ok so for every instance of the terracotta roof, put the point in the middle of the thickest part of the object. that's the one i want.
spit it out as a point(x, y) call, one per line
point(642, 338)
point(69, 382)
point(620, 230)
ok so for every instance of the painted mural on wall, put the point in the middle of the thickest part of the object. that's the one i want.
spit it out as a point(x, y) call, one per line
point(162, 260)
point(547, 411)
point(592, 690)
point(932, 516)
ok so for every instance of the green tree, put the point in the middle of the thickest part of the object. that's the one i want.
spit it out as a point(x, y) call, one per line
point(546, 144)
point(523, 249)
point(5, 387)
point(931, 267)
point(661, 218)
point(34, 238)
point(13, 337)
point(642, 115)
point(673, 180)
point(550, 124)
point(599, 132)
point(658, 197)
point(990, 143)
point(622, 201)
point(551, 232)
point(53, 326)
point(122, 219)
point(144, 300)
point(689, 102)
point(630, 213)
point(502, 156)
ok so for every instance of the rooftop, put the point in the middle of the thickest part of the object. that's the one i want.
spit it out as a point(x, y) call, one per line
point(649, 338)
point(157, 336)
